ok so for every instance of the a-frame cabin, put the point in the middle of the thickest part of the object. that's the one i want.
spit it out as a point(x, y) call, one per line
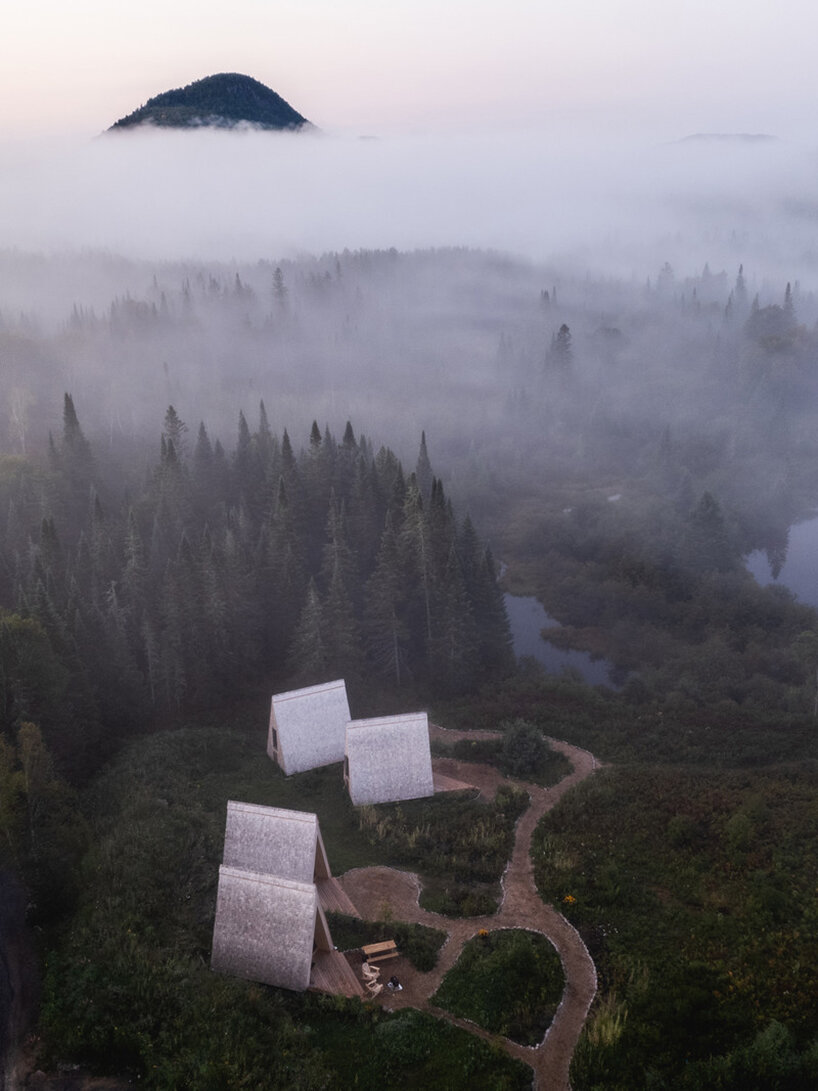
point(388, 759)
point(308, 726)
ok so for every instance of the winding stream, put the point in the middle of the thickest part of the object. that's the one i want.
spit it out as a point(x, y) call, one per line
point(527, 618)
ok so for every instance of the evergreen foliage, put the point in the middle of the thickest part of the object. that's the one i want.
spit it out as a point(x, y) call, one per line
point(224, 572)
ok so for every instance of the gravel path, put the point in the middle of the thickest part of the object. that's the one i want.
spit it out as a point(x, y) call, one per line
point(380, 891)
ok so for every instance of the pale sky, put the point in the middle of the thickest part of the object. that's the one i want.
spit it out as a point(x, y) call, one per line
point(672, 67)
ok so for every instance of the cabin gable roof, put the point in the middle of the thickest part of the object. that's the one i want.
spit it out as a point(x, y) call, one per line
point(307, 726)
point(388, 759)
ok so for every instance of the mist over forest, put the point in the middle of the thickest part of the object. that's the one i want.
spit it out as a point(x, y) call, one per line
point(684, 389)
point(276, 409)
point(138, 272)
point(455, 342)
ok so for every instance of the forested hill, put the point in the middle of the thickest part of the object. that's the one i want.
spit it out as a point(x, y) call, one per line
point(222, 101)
point(222, 574)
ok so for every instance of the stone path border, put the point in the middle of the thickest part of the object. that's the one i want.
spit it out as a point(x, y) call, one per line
point(381, 891)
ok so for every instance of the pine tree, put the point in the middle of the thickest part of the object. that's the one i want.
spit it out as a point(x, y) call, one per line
point(346, 460)
point(560, 357)
point(283, 579)
point(454, 646)
point(287, 456)
point(279, 289)
point(441, 526)
point(342, 634)
point(789, 306)
point(248, 472)
point(364, 521)
point(337, 558)
point(418, 565)
point(740, 294)
point(386, 632)
point(208, 482)
point(495, 644)
point(220, 652)
point(390, 482)
point(174, 430)
point(265, 445)
point(75, 461)
point(75, 446)
point(423, 470)
point(135, 586)
point(308, 660)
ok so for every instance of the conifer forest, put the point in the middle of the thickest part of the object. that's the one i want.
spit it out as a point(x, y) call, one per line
point(219, 571)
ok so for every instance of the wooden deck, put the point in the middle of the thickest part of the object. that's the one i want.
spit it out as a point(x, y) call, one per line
point(449, 784)
point(331, 973)
point(333, 899)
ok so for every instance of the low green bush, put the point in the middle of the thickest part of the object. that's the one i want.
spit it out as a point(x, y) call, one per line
point(521, 752)
point(451, 899)
point(509, 982)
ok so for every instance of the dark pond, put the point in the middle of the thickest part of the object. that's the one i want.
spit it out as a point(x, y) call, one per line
point(527, 619)
point(799, 571)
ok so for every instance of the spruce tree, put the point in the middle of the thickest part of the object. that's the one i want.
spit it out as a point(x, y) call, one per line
point(560, 357)
point(386, 632)
point(454, 650)
point(417, 561)
point(342, 634)
point(75, 462)
point(423, 470)
point(174, 430)
point(308, 661)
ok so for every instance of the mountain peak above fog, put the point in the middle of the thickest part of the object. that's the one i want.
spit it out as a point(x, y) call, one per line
point(225, 101)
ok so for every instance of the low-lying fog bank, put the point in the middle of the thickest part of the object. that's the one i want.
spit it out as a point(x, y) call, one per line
point(619, 205)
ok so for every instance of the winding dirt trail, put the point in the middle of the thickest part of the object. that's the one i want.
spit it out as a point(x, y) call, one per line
point(375, 891)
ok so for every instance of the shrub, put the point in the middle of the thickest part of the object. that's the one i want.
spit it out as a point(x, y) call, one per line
point(524, 751)
point(509, 982)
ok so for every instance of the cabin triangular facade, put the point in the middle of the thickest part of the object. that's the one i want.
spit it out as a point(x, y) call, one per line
point(267, 928)
point(388, 759)
point(269, 918)
point(307, 727)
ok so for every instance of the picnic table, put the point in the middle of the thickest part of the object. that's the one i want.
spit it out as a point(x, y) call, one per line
point(379, 952)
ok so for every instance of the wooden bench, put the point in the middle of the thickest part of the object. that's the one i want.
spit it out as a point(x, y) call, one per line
point(379, 952)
